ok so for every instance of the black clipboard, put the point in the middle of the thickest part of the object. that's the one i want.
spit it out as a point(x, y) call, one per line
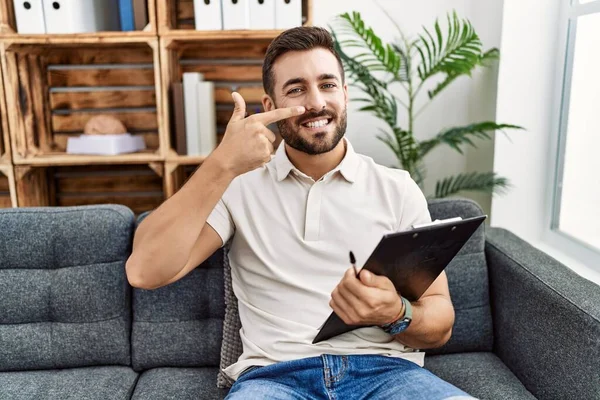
point(412, 260)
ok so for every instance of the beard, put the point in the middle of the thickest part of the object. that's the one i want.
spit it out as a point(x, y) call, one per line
point(320, 142)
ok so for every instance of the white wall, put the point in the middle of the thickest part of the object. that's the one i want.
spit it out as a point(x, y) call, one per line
point(466, 101)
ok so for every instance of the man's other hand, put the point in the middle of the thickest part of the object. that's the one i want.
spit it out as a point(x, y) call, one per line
point(368, 299)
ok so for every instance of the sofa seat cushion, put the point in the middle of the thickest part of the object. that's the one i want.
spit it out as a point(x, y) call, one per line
point(482, 375)
point(102, 383)
point(179, 384)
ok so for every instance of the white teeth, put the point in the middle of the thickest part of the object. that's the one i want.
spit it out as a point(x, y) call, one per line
point(317, 124)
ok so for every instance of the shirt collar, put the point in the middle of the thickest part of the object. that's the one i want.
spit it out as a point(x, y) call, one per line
point(348, 167)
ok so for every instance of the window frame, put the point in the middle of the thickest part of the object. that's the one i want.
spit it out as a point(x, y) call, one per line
point(567, 34)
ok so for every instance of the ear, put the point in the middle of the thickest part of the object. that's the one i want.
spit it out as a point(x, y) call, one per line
point(346, 93)
point(268, 103)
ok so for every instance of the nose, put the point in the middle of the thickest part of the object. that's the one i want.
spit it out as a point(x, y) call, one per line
point(315, 101)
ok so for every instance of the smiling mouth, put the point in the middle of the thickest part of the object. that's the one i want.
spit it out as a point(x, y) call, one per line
point(321, 123)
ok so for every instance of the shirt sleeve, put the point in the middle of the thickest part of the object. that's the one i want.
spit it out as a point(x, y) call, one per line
point(414, 206)
point(221, 221)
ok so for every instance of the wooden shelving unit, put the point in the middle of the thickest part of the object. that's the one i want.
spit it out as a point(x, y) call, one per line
point(54, 83)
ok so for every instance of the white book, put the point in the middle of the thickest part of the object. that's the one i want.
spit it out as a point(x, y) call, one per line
point(208, 15)
point(29, 16)
point(288, 14)
point(207, 120)
point(105, 144)
point(80, 16)
point(190, 99)
point(236, 14)
point(262, 14)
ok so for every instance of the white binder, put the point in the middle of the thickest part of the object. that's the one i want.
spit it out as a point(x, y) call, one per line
point(208, 15)
point(190, 99)
point(207, 120)
point(288, 13)
point(80, 16)
point(236, 14)
point(29, 16)
point(262, 14)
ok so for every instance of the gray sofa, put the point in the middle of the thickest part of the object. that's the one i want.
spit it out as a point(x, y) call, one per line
point(72, 328)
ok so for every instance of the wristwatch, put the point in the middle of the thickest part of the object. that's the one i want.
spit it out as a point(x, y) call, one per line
point(400, 325)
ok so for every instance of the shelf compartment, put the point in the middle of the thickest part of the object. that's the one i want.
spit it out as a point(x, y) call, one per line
point(177, 16)
point(8, 194)
point(231, 65)
point(55, 89)
point(8, 26)
point(139, 187)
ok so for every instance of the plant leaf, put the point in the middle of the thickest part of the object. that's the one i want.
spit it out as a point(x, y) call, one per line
point(381, 57)
point(486, 182)
point(458, 55)
point(454, 137)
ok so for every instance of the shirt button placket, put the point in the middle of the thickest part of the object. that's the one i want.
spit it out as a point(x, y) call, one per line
point(313, 212)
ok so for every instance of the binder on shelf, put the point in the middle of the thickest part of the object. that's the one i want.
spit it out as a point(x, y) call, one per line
point(190, 97)
point(126, 15)
point(236, 14)
point(288, 14)
point(262, 14)
point(207, 124)
point(80, 16)
point(208, 15)
point(140, 14)
point(29, 16)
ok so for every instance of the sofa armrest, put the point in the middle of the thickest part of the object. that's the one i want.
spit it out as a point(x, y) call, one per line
point(546, 319)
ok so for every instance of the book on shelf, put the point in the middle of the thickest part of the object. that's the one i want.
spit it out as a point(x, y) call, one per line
point(126, 15)
point(140, 14)
point(178, 121)
point(200, 114)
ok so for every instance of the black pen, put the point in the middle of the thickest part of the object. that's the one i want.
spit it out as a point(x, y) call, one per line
point(353, 262)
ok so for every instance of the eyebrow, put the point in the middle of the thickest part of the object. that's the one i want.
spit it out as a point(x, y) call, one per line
point(321, 77)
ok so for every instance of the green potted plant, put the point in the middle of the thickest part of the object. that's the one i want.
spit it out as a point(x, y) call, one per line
point(432, 56)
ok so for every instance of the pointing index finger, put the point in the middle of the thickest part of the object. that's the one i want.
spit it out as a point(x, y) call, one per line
point(278, 114)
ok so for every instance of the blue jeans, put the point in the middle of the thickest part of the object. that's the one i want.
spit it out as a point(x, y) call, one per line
point(343, 377)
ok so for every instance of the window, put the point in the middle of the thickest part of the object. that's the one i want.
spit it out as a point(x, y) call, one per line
point(576, 209)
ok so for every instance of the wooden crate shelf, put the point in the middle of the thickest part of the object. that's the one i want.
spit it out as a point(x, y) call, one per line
point(8, 193)
point(176, 16)
point(8, 26)
point(54, 89)
point(139, 187)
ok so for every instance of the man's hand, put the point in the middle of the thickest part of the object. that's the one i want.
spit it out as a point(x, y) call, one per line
point(368, 300)
point(248, 143)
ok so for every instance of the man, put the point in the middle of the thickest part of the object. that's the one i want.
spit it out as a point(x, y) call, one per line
point(292, 220)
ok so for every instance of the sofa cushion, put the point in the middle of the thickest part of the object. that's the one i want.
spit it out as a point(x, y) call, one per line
point(64, 297)
point(468, 282)
point(178, 384)
point(180, 325)
point(482, 375)
point(102, 383)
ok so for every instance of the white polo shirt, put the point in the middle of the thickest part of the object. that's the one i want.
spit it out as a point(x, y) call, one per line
point(291, 239)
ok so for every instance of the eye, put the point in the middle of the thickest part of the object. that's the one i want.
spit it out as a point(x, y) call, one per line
point(294, 91)
point(329, 86)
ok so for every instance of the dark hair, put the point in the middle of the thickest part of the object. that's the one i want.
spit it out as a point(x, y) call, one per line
point(296, 39)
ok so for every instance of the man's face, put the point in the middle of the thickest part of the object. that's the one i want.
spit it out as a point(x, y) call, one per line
point(311, 79)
